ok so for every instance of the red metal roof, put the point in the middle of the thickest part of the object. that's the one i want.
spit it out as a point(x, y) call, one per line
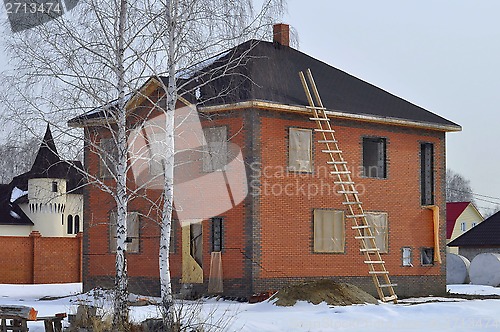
point(453, 211)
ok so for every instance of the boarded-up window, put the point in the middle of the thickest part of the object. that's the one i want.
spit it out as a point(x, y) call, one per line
point(300, 150)
point(132, 232)
point(215, 153)
point(379, 229)
point(374, 157)
point(108, 154)
point(427, 173)
point(406, 253)
point(329, 231)
point(196, 242)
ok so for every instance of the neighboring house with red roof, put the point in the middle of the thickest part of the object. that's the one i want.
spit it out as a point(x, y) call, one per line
point(484, 238)
point(460, 217)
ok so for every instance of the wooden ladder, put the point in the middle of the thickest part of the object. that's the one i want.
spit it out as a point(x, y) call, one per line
point(347, 188)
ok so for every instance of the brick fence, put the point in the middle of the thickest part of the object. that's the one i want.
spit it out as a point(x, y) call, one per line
point(40, 260)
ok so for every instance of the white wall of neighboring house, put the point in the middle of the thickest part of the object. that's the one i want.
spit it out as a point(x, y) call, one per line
point(468, 217)
point(15, 230)
point(48, 208)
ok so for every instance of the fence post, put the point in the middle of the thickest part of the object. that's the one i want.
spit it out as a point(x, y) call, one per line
point(35, 240)
point(79, 236)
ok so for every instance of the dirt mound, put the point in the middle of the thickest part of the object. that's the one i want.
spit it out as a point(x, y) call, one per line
point(318, 291)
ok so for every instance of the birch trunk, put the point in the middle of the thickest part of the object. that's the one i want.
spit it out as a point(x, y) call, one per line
point(120, 315)
point(168, 190)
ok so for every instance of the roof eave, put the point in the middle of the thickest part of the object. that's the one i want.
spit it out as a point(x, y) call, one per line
point(333, 113)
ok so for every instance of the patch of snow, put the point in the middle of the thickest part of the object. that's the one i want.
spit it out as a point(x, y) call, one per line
point(186, 73)
point(461, 316)
point(15, 215)
point(197, 93)
point(16, 193)
point(473, 289)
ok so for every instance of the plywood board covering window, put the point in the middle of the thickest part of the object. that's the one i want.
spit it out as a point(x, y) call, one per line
point(132, 232)
point(379, 229)
point(108, 158)
point(300, 150)
point(329, 231)
point(215, 153)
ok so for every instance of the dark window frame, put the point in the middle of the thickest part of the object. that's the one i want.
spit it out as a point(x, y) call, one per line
point(427, 180)
point(69, 226)
point(54, 186)
point(369, 155)
point(217, 222)
point(76, 224)
point(427, 256)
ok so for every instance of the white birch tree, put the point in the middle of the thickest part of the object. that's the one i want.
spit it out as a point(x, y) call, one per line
point(101, 51)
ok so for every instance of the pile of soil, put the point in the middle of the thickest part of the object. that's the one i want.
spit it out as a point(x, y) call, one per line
point(319, 291)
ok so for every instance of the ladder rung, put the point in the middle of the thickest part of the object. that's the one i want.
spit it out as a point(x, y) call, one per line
point(325, 130)
point(343, 182)
point(336, 162)
point(340, 172)
point(319, 119)
point(360, 227)
point(331, 151)
point(347, 192)
point(369, 249)
point(374, 262)
point(378, 272)
point(327, 141)
point(387, 285)
point(356, 216)
point(390, 298)
point(364, 237)
point(351, 203)
point(316, 108)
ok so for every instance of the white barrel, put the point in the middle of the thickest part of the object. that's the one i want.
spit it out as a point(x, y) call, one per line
point(457, 269)
point(485, 269)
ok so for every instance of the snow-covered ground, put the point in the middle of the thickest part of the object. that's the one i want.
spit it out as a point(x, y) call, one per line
point(422, 314)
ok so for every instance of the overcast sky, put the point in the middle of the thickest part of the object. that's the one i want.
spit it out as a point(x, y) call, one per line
point(441, 55)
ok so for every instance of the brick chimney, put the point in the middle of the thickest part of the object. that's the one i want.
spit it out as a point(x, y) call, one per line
point(281, 34)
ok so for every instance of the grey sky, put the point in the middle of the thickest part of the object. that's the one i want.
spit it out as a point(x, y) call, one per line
point(441, 55)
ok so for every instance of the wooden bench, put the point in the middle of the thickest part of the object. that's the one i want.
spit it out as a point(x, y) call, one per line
point(15, 319)
point(53, 323)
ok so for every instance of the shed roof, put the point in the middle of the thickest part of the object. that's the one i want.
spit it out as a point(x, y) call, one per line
point(485, 234)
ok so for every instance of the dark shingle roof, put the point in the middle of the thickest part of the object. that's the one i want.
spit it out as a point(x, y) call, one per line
point(259, 70)
point(48, 164)
point(10, 212)
point(485, 234)
point(270, 73)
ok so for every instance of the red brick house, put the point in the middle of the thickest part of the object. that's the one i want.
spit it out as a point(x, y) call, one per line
point(291, 225)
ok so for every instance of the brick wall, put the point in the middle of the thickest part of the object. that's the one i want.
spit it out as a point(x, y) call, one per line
point(268, 238)
point(40, 260)
point(286, 225)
